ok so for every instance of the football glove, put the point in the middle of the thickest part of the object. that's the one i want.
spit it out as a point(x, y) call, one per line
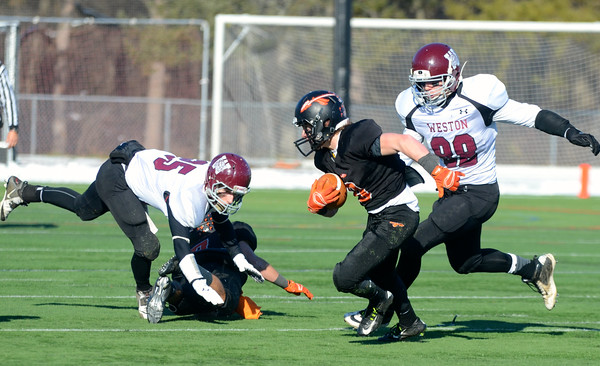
point(244, 266)
point(297, 289)
point(579, 138)
point(207, 292)
point(446, 178)
point(320, 196)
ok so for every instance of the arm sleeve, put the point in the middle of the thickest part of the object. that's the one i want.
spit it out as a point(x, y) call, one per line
point(225, 229)
point(552, 123)
point(8, 102)
point(180, 233)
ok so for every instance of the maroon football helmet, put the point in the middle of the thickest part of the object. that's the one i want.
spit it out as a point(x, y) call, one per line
point(434, 63)
point(319, 113)
point(228, 172)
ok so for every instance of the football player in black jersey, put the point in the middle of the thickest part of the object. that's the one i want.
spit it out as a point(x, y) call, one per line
point(367, 160)
point(211, 254)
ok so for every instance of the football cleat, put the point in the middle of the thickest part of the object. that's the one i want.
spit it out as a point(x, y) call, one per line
point(156, 303)
point(373, 317)
point(397, 333)
point(543, 279)
point(169, 267)
point(12, 196)
point(354, 318)
point(142, 299)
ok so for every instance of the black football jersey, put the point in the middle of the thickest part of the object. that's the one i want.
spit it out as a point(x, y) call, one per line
point(373, 179)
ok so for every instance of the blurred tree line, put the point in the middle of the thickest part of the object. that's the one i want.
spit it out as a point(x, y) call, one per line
point(525, 10)
point(153, 66)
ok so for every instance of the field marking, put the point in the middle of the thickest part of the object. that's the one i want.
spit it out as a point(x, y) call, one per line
point(458, 328)
point(287, 298)
point(284, 270)
point(439, 252)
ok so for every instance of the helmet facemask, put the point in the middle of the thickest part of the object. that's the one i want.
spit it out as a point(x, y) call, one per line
point(316, 132)
point(443, 86)
point(220, 205)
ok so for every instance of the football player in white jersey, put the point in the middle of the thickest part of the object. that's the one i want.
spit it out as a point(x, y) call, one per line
point(456, 119)
point(185, 190)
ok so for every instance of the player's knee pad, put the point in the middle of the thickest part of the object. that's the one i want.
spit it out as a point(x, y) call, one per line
point(468, 266)
point(146, 245)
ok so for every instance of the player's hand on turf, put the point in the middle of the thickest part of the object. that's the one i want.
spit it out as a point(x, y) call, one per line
point(579, 138)
point(207, 292)
point(298, 289)
point(446, 178)
point(320, 196)
point(244, 266)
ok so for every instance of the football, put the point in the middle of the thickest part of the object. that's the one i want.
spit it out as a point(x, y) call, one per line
point(334, 180)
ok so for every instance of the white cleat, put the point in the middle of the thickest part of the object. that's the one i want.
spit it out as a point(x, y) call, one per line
point(12, 196)
point(543, 280)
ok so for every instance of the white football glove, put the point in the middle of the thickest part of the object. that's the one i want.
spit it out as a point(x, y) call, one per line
point(244, 266)
point(207, 292)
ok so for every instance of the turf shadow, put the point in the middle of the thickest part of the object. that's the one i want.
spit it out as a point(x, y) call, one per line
point(112, 307)
point(9, 318)
point(37, 225)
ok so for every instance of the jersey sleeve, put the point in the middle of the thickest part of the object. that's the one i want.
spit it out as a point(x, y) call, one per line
point(363, 136)
point(487, 90)
point(404, 104)
point(8, 102)
point(517, 113)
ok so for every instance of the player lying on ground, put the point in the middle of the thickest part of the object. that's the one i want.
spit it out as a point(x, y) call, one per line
point(210, 254)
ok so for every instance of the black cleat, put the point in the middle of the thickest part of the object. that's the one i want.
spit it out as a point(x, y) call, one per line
point(373, 317)
point(169, 267)
point(397, 334)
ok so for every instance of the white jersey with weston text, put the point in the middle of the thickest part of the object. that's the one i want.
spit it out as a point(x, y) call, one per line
point(151, 173)
point(463, 131)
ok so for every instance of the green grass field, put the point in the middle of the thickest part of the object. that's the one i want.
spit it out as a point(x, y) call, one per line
point(68, 298)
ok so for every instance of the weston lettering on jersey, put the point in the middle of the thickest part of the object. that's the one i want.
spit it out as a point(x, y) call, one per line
point(452, 126)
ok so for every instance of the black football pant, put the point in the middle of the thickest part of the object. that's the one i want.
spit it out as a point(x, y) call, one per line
point(110, 193)
point(375, 256)
point(456, 220)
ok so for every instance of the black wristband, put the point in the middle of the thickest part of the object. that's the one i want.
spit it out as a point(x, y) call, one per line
point(429, 162)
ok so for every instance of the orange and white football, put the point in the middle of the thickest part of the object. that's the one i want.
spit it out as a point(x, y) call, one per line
point(334, 180)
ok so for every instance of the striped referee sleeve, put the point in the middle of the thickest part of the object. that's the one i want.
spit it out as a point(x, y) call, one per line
point(8, 102)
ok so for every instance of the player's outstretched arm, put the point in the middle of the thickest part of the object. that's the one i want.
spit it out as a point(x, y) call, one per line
point(272, 275)
point(554, 124)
